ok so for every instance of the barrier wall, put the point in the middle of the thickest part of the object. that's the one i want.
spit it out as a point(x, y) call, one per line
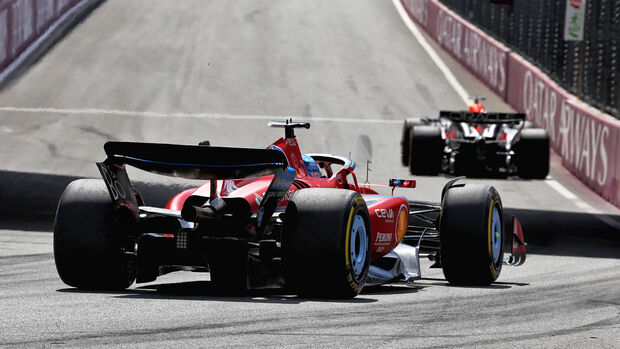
point(586, 139)
point(22, 22)
point(484, 58)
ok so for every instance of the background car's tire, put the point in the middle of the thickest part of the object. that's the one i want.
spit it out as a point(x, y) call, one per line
point(228, 266)
point(326, 243)
point(89, 242)
point(532, 154)
point(404, 141)
point(471, 234)
point(426, 149)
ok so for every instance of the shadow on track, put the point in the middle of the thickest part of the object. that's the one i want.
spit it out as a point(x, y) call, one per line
point(425, 282)
point(29, 200)
point(205, 291)
point(396, 288)
point(568, 233)
point(561, 233)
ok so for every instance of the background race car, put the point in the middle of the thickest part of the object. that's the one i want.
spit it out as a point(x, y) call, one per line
point(475, 143)
point(272, 217)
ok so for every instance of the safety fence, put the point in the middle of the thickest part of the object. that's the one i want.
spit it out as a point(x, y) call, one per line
point(587, 139)
point(589, 69)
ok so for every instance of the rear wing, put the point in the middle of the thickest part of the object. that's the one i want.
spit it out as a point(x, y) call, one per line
point(192, 162)
point(482, 118)
point(195, 161)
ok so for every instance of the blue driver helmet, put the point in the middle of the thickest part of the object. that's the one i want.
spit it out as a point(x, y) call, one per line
point(311, 167)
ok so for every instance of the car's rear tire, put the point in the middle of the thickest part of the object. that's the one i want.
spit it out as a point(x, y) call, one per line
point(426, 149)
point(404, 141)
point(532, 152)
point(228, 267)
point(471, 234)
point(91, 249)
point(326, 243)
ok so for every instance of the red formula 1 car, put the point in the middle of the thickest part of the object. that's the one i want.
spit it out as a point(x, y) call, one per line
point(272, 216)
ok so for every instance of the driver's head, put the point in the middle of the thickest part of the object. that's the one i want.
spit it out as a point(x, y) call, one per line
point(311, 166)
point(477, 108)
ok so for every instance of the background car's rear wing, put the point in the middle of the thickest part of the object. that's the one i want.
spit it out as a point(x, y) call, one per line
point(195, 161)
point(482, 118)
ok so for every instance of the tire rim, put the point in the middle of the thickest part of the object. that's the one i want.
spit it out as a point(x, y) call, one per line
point(358, 246)
point(496, 235)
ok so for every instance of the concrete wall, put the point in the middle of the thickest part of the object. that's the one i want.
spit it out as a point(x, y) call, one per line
point(586, 138)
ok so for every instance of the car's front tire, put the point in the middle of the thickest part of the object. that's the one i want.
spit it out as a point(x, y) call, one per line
point(471, 232)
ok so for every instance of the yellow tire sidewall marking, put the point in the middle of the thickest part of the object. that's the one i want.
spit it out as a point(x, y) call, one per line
point(347, 238)
point(490, 239)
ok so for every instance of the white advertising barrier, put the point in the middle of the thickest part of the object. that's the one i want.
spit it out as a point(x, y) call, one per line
point(585, 138)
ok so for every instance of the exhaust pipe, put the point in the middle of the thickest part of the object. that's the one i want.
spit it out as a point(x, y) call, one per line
point(197, 214)
point(201, 209)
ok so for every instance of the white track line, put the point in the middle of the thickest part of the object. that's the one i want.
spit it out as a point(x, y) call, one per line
point(432, 53)
point(555, 185)
point(149, 114)
point(587, 208)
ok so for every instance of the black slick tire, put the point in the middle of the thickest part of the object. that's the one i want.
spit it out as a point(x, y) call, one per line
point(326, 243)
point(404, 141)
point(471, 234)
point(532, 152)
point(88, 240)
point(228, 266)
point(426, 149)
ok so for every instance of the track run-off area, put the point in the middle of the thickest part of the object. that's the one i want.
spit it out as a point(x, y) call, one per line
point(185, 72)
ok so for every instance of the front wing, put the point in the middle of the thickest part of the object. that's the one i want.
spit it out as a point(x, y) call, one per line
point(402, 264)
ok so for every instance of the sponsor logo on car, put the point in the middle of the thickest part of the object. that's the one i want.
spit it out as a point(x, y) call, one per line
point(383, 213)
point(383, 237)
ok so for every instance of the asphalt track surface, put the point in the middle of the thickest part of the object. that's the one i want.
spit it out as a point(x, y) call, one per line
point(182, 72)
